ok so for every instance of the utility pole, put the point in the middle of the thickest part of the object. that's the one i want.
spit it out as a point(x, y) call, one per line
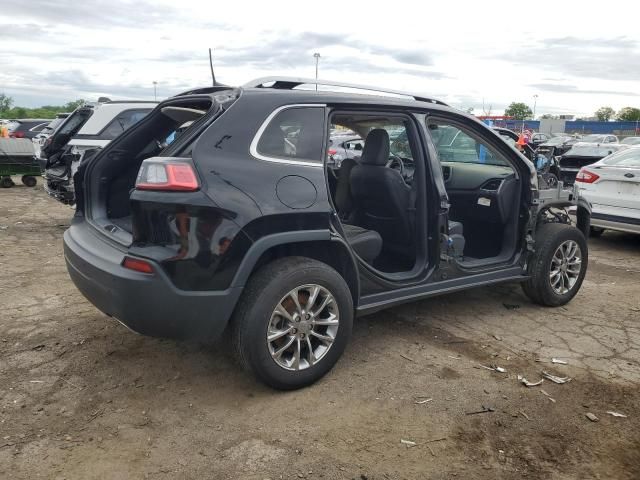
point(535, 102)
point(317, 57)
point(155, 91)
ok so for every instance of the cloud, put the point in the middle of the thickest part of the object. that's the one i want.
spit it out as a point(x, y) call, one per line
point(615, 58)
point(26, 31)
point(564, 88)
point(127, 13)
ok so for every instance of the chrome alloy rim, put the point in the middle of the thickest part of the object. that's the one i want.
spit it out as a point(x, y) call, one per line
point(303, 327)
point(566, 265)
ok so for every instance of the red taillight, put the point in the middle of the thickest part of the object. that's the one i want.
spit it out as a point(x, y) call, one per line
point(585, 176)
point(137, 265)
point(17, 134)
point(332, 152)
point(154, 175)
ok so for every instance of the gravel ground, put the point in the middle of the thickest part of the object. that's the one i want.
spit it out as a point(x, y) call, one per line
point(81, 397)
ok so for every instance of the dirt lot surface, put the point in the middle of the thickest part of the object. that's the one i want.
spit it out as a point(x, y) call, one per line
point(81, 397)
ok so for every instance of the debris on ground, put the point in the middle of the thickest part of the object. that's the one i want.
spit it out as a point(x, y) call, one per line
point(616, 414)
point(494, 368)
point(421, 402)
point(408, 443)
point(555, 378)
point(407, 358)
point(511, 306)
point(498, 337)
point(521, 412)
point(527, 383)
point(557, 360)
point(591, 417)
point(484, 410)
point(553, 400)
point(37, 348)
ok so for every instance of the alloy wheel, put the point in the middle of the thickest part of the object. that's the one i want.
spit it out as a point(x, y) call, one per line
point(303, 327)
point(566, 265)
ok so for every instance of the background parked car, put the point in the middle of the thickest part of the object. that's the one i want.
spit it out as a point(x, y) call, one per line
point(343, 147)
point(27, 128)
point(88, 129)
point(581, 155)
point(612, 186)
point(539, 137)
point(597, 138)
point(631, 141)
point(556, 146)
point(40, 139)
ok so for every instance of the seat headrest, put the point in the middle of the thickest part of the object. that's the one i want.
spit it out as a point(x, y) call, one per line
point(376, 148)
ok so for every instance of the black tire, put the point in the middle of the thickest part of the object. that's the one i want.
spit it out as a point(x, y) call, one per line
point(6, 182)
point(595, 232)
point(29, 181)
point(264, 291)
point(549, 237)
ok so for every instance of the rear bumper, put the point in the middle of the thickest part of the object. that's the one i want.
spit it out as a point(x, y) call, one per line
point(146, 303)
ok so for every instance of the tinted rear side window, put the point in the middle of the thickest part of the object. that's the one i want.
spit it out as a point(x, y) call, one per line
point(122, 122)
point(294, 134)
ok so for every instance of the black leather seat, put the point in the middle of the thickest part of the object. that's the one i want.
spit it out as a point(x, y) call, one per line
point(366, 243)
point(343, 197)
point(382, 198)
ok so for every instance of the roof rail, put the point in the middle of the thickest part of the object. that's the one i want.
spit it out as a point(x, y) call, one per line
point(289, 83)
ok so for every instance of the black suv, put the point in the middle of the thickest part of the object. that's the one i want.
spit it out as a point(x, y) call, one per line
point(222, 208)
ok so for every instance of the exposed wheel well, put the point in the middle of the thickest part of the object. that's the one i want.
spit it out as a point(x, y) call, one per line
point(333, 253)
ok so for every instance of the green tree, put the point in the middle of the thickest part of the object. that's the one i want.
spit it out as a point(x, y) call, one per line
point(519, 111)
point(5, 102)
point(71, 106)
point(629, 114)
point(605, 114)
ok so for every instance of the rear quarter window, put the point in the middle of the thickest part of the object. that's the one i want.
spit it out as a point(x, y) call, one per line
point(295, 133)
point(122, 122)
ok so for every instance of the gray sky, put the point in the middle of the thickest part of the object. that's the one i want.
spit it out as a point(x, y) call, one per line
point(575, 59)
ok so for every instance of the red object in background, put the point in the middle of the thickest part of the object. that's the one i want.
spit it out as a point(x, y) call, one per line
point(16, 134)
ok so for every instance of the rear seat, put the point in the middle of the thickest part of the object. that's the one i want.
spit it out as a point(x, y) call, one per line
point(366, 243)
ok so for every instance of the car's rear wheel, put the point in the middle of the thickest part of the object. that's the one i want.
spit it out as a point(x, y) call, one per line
point(558, 266)
point(293, 322)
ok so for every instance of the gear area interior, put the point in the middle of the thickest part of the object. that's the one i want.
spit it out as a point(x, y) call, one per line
point(375, 193)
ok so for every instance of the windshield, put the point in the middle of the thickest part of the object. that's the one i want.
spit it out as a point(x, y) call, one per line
point(75, 121)
point(593, 138)
point(53, 125)
point(557, 141)
point(631, 141)
point(626, 158)
point(582, 150)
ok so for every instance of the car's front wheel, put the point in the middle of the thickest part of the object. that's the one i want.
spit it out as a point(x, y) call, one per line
point(558, 266)
point(293, 322)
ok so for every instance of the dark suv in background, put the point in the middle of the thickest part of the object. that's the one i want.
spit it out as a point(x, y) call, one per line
point(222, 208)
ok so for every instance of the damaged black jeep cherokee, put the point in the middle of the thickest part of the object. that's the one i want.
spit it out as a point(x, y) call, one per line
point(222, 208)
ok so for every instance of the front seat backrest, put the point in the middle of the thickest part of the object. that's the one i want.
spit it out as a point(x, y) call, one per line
point(381, 196)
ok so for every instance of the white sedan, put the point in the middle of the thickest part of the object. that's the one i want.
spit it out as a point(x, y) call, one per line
point(612, 186)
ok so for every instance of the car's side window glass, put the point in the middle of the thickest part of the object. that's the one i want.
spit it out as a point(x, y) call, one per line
point(122, 122)
point(456, 144)
point(294, 134)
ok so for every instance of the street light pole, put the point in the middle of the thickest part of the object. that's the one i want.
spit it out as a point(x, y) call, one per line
point(317, 57)
point(535, 102)
point(155, 91)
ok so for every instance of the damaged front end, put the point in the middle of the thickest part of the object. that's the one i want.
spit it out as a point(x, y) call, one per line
point(60, 170)
point(559, 205)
